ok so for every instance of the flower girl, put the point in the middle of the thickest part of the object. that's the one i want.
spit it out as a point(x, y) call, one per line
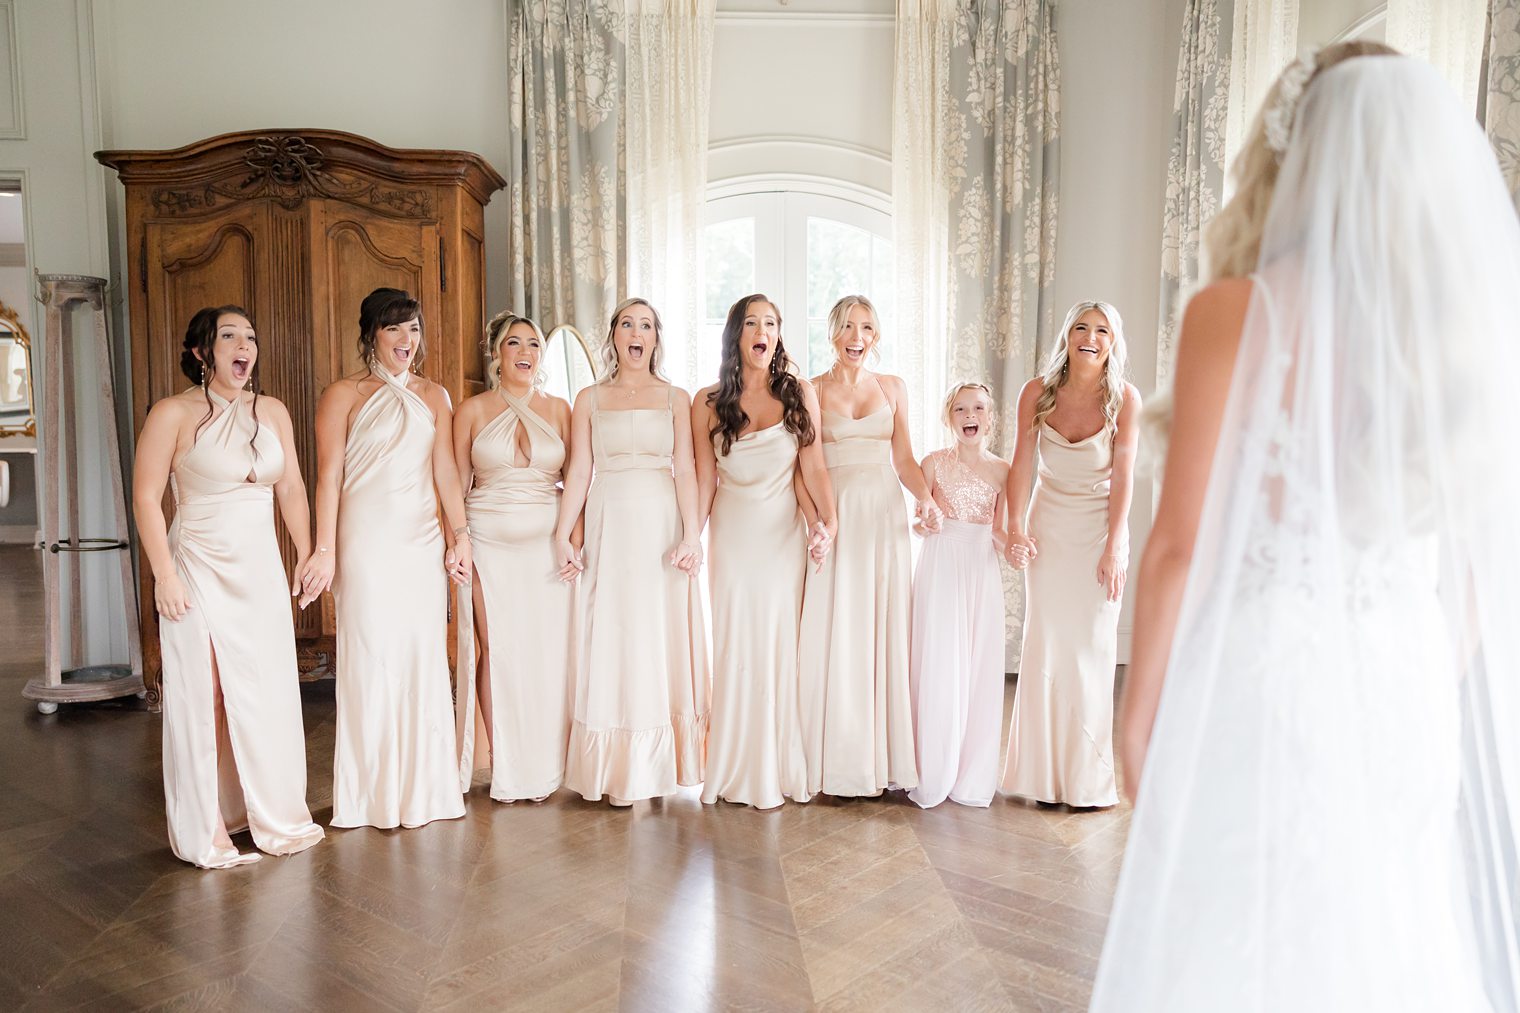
point(956, 667)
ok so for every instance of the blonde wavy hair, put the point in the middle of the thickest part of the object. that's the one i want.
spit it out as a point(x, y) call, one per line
point(1053, 377)
point(609, 347)
point(1232, 240)
point(955, 392)
point(839, 315)
point(496, 333)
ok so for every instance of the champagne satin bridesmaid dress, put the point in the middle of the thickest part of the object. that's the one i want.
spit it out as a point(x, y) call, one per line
point(512, 510)
point(249, 768)
point(640, 727)
point(395, 762)
point(1061, 740)
point(957, 644)
point(757, 544)
point(857, 715)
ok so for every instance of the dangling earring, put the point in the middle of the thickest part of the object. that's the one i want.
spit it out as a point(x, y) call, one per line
point(203, 374)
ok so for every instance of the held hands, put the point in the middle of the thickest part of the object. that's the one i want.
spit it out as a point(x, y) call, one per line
point(1022, 549)
point(820, 541)
point(314, 575)
point(687, 557)
point(170, 598)
point(1112, 569)
point(459, 561)
point(929, 516)
point(568, 558)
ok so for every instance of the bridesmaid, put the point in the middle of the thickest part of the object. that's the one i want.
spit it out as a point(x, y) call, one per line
point(385, 461)
point(958, 624)
point(1078, 429)
point(751, 431)
point(234, 747)
point(510, 444)
point(857, 717)
point(640, 722)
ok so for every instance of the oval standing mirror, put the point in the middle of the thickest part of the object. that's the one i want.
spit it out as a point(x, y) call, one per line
point(568, 363)
point(17, 417)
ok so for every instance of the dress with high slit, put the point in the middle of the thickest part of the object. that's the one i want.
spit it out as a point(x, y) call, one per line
point(857, 715)
point(513, 507)
point(395, 762)
point(247, 765)
point(757, 547)
point(641, 697)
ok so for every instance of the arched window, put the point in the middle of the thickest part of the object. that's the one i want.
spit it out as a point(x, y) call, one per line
point(804, 245)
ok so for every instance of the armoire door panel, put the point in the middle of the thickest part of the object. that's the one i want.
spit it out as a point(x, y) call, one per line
point(192, 265)
point(363, 252)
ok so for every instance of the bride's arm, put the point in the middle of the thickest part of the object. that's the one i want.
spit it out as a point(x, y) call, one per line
point(1205, 359)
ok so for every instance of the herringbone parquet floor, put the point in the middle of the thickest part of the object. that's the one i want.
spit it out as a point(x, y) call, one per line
point(674, 906)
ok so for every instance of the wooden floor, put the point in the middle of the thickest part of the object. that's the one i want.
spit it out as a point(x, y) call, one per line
point(674, 906)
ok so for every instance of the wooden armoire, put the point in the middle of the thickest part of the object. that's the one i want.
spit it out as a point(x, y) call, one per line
point(298, 226)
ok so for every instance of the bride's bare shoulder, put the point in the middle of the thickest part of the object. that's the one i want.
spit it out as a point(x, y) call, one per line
point(1219, 308)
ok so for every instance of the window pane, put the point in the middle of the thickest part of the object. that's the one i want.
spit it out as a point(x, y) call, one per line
point(819, 355)
point(728, 264)
point(838, 263)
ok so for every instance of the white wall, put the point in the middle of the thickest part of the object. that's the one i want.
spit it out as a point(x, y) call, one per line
point(63, 191)
point(803, 89)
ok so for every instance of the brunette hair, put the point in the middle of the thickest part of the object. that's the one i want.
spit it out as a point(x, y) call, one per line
point(387, 307)
point(199, 354)
point(782, 382)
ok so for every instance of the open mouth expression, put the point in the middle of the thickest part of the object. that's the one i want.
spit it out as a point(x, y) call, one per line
point(1090, 338)
point(237, 348)
point(761, 334)
point(635, 337)
point(520, 353)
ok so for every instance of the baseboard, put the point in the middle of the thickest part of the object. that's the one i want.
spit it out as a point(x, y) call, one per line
point(19, 534)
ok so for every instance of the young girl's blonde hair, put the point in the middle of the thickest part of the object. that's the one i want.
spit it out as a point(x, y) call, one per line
point(971, 385)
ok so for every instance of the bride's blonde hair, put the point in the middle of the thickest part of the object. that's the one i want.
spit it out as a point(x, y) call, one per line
point(1232, 240)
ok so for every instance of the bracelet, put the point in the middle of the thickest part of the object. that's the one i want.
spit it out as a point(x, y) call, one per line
point(321, 549)
point(463, 531)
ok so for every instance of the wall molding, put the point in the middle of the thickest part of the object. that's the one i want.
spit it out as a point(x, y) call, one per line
point(812, 19)
point(1359, 27)
point(17, 129)
point(800, 182)
point(801, 140)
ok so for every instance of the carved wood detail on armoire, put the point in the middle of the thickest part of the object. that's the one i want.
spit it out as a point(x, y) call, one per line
point(298, 226)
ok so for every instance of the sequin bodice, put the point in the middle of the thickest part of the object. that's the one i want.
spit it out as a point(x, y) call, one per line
point(969, 496)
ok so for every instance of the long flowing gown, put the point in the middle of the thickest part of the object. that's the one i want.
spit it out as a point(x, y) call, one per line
point(758, 551)
point(513, 507)
point(395, 762)
point(641, 698)
point(857, 711)
point(957, 645)
point(252, 769)
point(1061, 742)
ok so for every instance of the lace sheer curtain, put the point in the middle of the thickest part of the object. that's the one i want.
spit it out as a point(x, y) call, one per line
point(1265, 40)
point(607, 164)
point(1502, 112)
point(976, 117)
point(1195, 166)
point(1445, 33)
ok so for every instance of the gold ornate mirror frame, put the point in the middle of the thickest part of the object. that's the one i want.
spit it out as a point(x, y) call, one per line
point(11, 320)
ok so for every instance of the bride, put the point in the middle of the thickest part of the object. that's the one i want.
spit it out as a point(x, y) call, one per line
point(1322, 717)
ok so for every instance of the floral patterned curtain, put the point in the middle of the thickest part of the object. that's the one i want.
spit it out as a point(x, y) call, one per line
point(976, 114)
point(1195, 171)
point(1502, 113)
point(607, 164)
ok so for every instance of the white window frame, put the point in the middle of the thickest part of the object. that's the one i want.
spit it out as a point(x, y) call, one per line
point(780, 206)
